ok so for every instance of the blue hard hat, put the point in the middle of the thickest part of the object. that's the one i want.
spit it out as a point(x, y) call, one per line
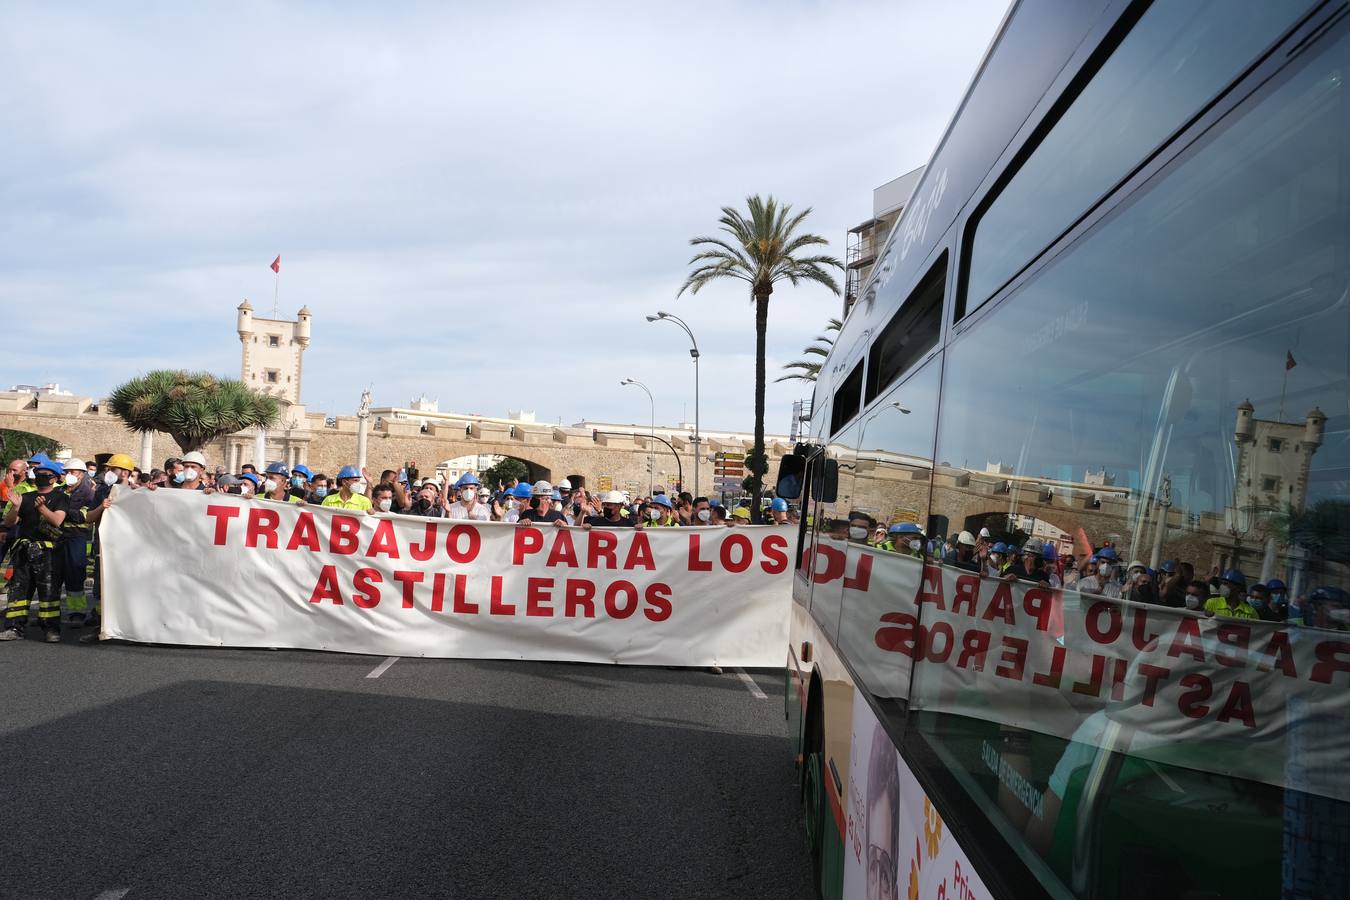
point(1107, 553)
point(1050, 552)
point(466, 479)
point(1234, 576)
point(303, 470)
point(251, 477)
point(348, 472)
point(43, 461)
point(1000, 547)
point(905, 528)
point(277, 468)
point(778, 505)
point(522, 491)
point(662, 500)
point(1168, 565)
point(714, 502)
point(1276, 584)
point(556, 494)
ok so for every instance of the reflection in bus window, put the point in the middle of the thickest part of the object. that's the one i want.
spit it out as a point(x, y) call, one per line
point(1175, 59)
point(834, 526)
point(1162, 413)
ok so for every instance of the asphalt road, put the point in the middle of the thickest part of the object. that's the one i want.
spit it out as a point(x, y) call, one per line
point(145, 772)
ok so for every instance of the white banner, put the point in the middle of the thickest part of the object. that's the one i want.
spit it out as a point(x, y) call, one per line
point(183, 568)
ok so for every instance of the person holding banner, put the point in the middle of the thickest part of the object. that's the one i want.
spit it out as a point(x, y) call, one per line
point(611, 514)
point(427, 503)
point(351, 492)
point(39, 513)
point(540, 510)
point(276, 486)
point(467, 506)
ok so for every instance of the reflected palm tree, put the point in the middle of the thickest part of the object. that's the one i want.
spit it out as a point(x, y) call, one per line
point(809, 369)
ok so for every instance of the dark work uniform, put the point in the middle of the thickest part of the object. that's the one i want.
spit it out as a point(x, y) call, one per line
point(602, 522)
point(34, 560)
point(547, 517)
point(73, 551)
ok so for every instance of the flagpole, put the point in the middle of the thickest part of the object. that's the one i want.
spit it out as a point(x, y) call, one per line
point(276, 289)
point(1283, 388)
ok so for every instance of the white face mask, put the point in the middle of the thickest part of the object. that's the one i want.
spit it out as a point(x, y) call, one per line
point(653, 514)
point(557, 506)
point(1225, 591)
point(915, 546)
point(72, 479)
point(468, 495)
point(705, 515)
point(110, 478)
point(189, 474)
point(386, 504)
point(513, 504)
point(1192, 601)
point(359, 487)
point(269, 485)
point(857, 534)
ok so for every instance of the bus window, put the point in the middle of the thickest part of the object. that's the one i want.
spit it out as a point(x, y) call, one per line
point(833, 527)
point(893, 469)
point(847, 398)
point(1179, 55)
point(910, 334)
point(1157, 421)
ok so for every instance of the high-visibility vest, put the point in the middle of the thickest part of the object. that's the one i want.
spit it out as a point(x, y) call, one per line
point(1221, 607)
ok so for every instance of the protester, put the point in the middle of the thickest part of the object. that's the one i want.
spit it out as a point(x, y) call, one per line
point(427, 502)
point(351, 492)
point(1231, 600)
point(72, 553)
point(468, 506)
point(39, 515)
point(612, 514)
point(540, 510)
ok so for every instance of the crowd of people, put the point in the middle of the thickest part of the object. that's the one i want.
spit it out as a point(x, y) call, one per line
point(51, 509)
point(1102, 572)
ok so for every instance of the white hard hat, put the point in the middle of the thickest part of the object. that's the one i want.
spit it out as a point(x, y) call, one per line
point(966, 538)
point(984, 533)
point(564, 485)
point(74, 463)
point(195, 457)
point(542, 489)
point(484, 493)
point(1134, 564)
point(614, 497)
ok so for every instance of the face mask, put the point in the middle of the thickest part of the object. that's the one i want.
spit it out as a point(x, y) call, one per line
point(179, 477)
point(705, 515)
point(653, 514)
point(321, 492)
point(297, 481)
point(1256, 602)
point(359, 487)
point(1192, 601)
point(270, 485)
point(468, 495)
point(915, 546)
point(857, 534)
point(996, 558)
point(246, 489)
point(189, 474)
point(110, 478)
point(91, 472)
point(557, 506)
point(513, 504)
point(31, 475)
point(72, 479)
point(386, 504)
point(43, 480)
point(1225, 591)
point(1277, 599)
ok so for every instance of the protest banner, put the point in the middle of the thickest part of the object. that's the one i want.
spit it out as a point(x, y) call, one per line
point(183, 568)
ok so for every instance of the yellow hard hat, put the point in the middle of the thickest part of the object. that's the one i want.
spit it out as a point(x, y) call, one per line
point(741, 512)
point(121, 461)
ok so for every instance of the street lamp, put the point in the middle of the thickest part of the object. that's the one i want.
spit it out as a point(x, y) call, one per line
point(651, 444)
point(693, 352)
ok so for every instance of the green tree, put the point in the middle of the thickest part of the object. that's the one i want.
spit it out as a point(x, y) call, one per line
point(194, 408)
point(809, 369)
point(16, 444)
point(761, 250)
point(504, 471)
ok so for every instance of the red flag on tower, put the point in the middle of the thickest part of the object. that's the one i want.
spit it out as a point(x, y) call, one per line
point(276, 264)
point(1289, 360)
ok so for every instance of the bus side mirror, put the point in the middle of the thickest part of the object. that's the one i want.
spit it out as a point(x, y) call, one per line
point(825, 487)
point(790, 471)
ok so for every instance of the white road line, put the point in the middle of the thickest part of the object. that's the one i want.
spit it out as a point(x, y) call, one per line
point(113, 894)
point(750, 685)
point(382, 667)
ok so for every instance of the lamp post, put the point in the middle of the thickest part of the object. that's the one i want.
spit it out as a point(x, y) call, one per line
point(651, 444)
point(693, 353)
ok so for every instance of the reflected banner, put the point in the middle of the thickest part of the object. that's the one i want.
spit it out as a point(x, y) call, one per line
point(1256, 700)
point(180, 567)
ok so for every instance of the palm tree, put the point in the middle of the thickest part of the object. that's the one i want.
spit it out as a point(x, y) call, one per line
point(809, 369)
point(194, 408)
point(760, 250)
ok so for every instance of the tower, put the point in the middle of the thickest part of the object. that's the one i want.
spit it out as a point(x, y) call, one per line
point(273, 352)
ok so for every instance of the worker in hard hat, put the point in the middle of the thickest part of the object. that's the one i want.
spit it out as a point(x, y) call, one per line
point(541, 511)
point(72, 551)
point(351, 492)
point(612, 513)
point(116, 479)
point(39, 515)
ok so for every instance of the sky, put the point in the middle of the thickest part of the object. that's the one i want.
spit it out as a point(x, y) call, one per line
point(477, 202)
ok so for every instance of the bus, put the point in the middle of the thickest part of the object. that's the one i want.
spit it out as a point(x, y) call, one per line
point(1070, 602)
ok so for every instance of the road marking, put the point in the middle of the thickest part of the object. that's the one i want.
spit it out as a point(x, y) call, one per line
point(113, 894)
point(382, 667)
point(750, 684)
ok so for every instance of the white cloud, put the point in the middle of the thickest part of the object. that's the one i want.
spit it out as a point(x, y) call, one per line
point(479, 204)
